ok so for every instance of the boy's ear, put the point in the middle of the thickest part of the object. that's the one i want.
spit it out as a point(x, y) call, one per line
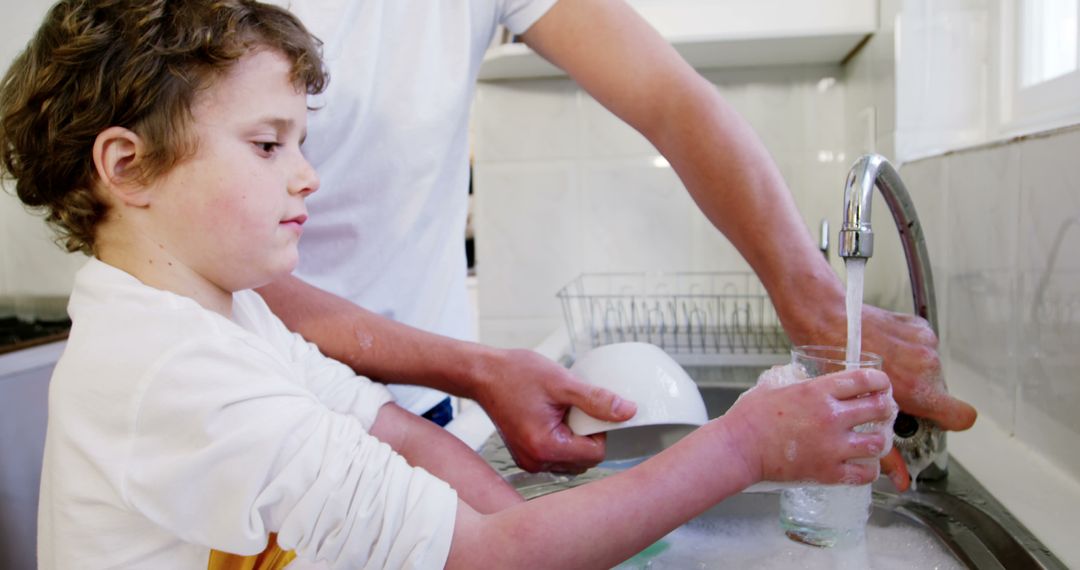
point(117, 152)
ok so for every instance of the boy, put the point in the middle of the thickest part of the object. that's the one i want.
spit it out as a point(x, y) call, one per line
point(187, 426)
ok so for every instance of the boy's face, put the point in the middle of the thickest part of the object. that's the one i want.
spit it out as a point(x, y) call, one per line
point(233, 212)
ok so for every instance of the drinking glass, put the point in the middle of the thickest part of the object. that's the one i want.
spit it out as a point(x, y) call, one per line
point(826, 515)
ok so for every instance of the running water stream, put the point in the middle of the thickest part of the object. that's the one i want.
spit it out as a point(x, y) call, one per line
point(855, 555)
point(855, 267)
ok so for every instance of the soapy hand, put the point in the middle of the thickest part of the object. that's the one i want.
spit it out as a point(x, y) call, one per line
point(528, 401)
point(805, 431)
point(908, 348)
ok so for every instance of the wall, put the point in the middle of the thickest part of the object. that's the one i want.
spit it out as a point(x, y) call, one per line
point(1005, 237)
point(32, 267)
point(945, 95)
point(563, 187)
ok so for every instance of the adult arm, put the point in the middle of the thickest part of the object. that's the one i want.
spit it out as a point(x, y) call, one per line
point(626, 66)
point(525, 394)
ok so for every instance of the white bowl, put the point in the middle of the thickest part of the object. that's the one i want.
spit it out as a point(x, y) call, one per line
point(669, 403)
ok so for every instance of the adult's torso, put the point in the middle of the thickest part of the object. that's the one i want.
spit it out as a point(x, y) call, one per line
point(389, 140)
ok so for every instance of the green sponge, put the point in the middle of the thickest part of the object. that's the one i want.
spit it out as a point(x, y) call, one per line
point(641, 559)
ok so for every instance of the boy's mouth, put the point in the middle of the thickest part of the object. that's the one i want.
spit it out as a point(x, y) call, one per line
point(295, 223)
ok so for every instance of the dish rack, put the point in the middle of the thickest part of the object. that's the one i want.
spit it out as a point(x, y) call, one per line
point(700, 319)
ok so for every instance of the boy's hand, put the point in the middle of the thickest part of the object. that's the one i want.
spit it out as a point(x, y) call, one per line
point(528, 398)
point(804, 432)
point(908, 347)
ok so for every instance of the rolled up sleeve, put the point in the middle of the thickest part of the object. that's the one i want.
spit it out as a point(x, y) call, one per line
point(229, 447)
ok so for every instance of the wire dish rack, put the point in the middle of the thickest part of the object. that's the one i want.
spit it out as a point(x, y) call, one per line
point(700, 319)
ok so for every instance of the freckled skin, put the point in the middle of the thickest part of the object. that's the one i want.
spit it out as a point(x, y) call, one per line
point(249, 125)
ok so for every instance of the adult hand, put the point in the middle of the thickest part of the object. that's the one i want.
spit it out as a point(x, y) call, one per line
point(908, 347)
point(528, 396)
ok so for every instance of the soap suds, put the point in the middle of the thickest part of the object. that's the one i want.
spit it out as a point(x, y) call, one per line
point(758, 542)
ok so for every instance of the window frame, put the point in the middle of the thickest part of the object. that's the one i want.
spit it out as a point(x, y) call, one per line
point(1046, 105)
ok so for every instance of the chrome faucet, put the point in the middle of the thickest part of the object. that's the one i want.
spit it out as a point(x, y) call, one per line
point(920, 441)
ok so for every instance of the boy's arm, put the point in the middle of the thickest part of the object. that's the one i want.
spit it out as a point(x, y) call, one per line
point(424, 444)
point(420, 442)
point(600, 524)
point(526, 395)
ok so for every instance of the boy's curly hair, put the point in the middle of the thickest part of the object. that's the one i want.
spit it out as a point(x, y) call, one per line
point(137, 64)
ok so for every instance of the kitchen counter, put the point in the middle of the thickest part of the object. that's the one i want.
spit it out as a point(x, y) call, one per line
point(16, 334)
point(1038, 493)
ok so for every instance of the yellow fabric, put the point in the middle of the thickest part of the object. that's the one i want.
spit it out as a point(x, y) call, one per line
point(273, 558)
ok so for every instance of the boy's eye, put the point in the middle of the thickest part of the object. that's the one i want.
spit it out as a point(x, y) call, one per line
point(267, 147)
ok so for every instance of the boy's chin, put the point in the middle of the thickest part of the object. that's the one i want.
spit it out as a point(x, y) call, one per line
point(272, 276)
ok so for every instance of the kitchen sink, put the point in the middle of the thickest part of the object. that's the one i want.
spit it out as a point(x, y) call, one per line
point(956, 514)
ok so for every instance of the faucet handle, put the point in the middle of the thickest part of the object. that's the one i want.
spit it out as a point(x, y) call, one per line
point(823, 240)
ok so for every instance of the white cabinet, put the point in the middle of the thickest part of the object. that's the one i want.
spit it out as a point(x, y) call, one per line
point(24, 388)
point(714, 34)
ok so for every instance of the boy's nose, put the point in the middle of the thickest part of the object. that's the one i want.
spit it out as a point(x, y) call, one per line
point(305, 181)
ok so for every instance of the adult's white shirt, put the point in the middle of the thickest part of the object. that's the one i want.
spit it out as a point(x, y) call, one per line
point(390, 143)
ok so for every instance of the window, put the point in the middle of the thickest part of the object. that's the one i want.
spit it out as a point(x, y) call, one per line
point(1047, 40)
point(1042, 88)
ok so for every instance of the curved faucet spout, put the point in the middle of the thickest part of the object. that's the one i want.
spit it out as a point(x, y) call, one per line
point(919, 440)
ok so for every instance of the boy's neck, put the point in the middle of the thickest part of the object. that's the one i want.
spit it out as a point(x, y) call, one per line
point(157, 268)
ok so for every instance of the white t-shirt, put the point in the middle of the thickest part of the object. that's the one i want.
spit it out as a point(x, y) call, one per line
point(390, 143)
point(173, 431)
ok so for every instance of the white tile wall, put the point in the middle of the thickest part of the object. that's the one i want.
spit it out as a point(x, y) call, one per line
point(870, 88)
point(944, 84)
point(605, 135)
point(530, 242)
point(636, 216)
point(526, 120)
point(982, 281)
point(565, 187)
point(1048, 309)
point(517, 333)
point(30, 264)
point(926, 181)
point(1004, 220)
point(1009, 218)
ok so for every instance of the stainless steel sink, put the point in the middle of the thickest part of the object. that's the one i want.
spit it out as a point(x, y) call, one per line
point(966, 520)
